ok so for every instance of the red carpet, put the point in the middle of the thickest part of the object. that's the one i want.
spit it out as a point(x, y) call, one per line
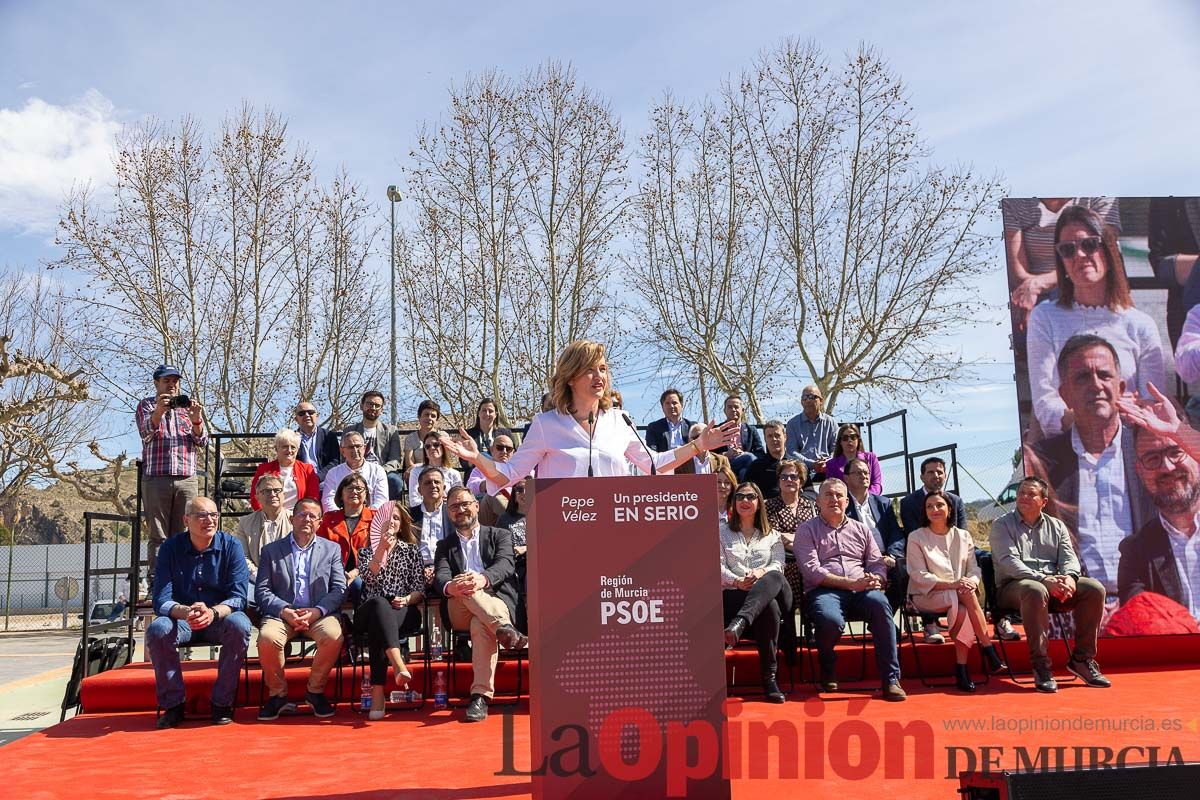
point(835, 747)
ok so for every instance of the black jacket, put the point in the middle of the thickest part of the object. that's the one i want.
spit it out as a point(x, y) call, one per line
point(496, 552)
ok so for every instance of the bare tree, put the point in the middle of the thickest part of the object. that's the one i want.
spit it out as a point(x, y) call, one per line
point(882, 244)
point(517, 196)
point(702, 260)
point(226, 258)
point(39, 389)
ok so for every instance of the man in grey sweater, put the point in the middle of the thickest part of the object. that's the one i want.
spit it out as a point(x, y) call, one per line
point(1037, 572)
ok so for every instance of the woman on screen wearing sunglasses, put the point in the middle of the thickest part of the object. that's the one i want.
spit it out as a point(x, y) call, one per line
point(1093, 297)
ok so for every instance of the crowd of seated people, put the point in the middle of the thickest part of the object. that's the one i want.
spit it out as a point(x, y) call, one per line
point(390, 523)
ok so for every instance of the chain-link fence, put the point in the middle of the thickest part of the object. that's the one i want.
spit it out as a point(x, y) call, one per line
point(41, 585)
point(986, 474)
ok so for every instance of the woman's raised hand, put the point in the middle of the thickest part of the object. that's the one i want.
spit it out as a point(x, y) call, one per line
point(464, 447)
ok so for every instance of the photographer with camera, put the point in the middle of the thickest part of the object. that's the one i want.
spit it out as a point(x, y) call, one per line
point(172, 429)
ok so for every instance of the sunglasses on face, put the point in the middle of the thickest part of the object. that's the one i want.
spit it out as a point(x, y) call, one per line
point(745, 496)
point(789, 476)
point(503, 448)
point(433, 446)
point(1088, 246)
point(306, 413)
point(848, 437)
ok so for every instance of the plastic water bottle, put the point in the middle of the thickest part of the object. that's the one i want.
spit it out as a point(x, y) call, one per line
point(365, 698)
point(435, 646)
point(439, 690)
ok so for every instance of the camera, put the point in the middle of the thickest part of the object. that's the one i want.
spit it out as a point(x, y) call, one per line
point(181, 401)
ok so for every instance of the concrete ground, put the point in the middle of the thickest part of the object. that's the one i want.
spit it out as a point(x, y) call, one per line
point(34, 668)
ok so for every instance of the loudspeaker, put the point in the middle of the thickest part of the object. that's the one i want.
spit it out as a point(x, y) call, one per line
point(1133, 782)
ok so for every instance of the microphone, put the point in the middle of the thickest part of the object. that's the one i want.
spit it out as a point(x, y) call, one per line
point(591, 435)
point(632, 427)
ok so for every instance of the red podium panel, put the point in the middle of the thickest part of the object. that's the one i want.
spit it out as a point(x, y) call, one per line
point(627, 669)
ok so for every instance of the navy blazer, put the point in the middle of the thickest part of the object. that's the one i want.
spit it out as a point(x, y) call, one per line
point(912, 511)
point(656, 434)
point(1148, 564)
point(751, 441)
point(894, 540)
point(328, 454)
point(275, 587)
point(499, 565)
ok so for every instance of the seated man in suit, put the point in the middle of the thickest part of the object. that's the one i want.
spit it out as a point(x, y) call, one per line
point(258, 529)
point(1038, 572)
point(671, 430)
point(912, 506)
point(710, 464)
point(843, 570)
point(318, 445)
point(430, 517)
point(1164, 556)
point(877, 514)
point(383, 443)
point(300, 588)
point(199, 595)
point(749, 445)
point(476, 574)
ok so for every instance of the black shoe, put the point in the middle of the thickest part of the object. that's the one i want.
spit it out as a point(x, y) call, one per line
point(510, 638)
point(404, 650)
point(170, 718)
point(1089, 672)
point(962, 678)
point(477, 710)
point(222, 715)
point(733, 632)
point(462, 647)
point(991, 660)
point(321, 707)
point(272, 708)
point(828, 681)
point(771, 690)
point(1043, 680)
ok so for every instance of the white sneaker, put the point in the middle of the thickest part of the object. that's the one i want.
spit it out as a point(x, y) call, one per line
point(933, 635)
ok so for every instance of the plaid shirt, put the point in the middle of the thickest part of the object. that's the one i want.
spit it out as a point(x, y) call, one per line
point(169, 449)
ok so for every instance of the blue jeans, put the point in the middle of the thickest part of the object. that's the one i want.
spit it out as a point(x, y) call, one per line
point(164, 635)
point(395, 485)
point(827, 610)
point(739, 464)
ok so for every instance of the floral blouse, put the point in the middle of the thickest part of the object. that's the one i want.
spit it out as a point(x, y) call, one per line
point(784, 519)
point(402, 574)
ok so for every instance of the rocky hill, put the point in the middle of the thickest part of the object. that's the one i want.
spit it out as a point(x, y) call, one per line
point(54, 514)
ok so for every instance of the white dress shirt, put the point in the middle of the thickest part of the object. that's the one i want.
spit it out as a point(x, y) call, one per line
point(557, 447)
point(371, 472)
point(1186, 549)
point(431, 532)
point(470, 548)
point(1104, 513)
point(867, 518)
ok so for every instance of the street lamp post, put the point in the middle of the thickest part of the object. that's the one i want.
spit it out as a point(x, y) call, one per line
point(393, 198)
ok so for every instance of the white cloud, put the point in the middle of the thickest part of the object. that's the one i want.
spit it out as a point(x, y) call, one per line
point(44, 149)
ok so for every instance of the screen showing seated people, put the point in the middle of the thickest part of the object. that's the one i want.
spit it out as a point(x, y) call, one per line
point(1105, 302)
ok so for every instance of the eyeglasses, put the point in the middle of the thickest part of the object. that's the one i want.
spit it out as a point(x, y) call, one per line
point(1088, 246)
point(1157, 459)
point(503, 448)
point(355, 446)
point(306, 515)
point(355, 490)
point(375, 406)
point(270, 492)
point(463, 506)
point(518, 491)
point(745, 496)
point(789, 476)
point(848, 437)
point(306, 412)
point(205, 515)
point(810, 396)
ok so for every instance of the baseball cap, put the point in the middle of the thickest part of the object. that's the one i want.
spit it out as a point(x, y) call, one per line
point(167, 371)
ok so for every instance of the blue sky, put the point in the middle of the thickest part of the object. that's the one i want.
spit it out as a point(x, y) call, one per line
point(1060, 98)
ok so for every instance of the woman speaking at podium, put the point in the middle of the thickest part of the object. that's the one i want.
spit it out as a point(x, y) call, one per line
point(583, 435)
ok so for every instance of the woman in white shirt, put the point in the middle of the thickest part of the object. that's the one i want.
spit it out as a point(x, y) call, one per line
point(755, 595)
point(1093, 297)
point(944, 578)
point(582, 435)
point(435, 458)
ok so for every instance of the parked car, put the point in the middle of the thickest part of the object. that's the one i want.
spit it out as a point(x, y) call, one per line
point(1005, 502)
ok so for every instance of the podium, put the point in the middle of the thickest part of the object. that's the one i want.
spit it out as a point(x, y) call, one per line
point(627, 662)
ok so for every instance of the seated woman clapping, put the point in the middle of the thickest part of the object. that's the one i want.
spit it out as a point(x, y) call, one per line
point(393, 588)
point(944, 577)
point(755, 594)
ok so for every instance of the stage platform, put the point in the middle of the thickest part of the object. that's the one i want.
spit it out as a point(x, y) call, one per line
point(814, 746)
